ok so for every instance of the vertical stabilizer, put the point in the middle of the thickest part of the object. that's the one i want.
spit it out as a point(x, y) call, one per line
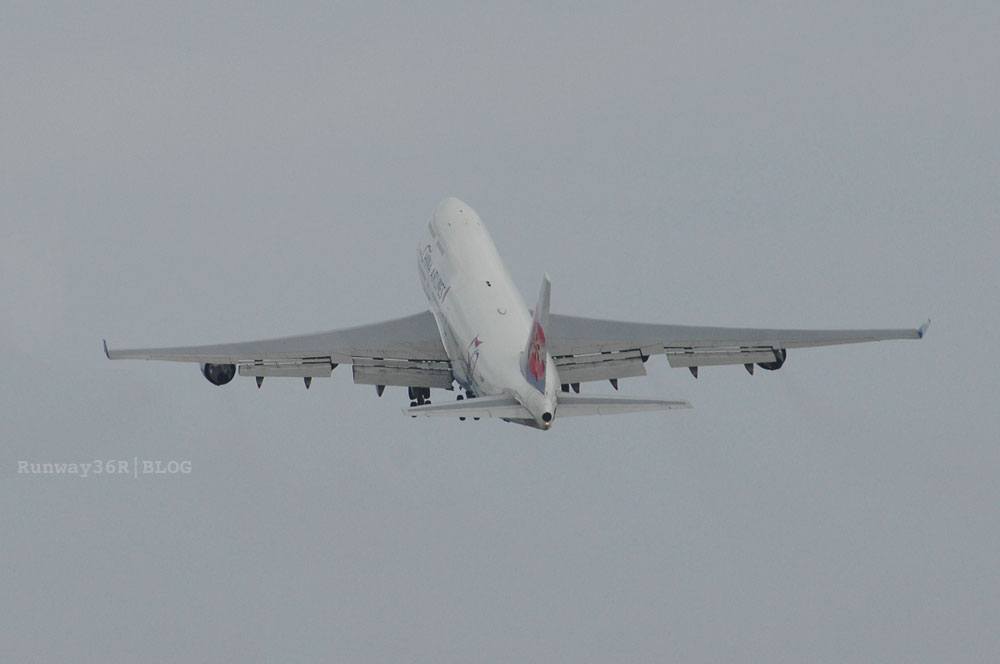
point(533, 358)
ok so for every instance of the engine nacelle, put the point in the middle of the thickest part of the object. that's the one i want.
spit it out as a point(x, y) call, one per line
point(779, 360)
point(218, 374)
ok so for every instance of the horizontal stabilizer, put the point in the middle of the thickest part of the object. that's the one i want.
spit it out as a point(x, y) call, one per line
point(502, 406)
point(572, 405)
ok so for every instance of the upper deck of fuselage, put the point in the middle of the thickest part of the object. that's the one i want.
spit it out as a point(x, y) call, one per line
point(452, 212)
point(460, 237)
point(462, 269)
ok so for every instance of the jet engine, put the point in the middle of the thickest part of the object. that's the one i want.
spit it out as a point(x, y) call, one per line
point(779, 360)
point(218, 374)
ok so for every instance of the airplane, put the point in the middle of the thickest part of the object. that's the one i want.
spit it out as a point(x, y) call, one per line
point(513, 363)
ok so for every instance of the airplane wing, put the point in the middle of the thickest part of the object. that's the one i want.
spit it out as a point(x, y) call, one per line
point(588, 349)
point(405, 351)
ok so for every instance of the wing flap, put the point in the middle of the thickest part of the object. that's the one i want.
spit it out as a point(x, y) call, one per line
point(403, 373)
point(287, 370)
point(688, 357)
point(599, 366)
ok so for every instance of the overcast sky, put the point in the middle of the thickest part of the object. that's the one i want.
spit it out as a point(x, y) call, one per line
point(192, 172)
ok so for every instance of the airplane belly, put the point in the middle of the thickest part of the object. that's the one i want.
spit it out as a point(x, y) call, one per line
point(488, 342)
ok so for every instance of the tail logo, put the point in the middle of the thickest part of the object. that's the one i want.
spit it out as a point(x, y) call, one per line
point(536, 356)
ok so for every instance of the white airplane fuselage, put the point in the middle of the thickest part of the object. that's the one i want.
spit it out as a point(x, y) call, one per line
point(483, 320)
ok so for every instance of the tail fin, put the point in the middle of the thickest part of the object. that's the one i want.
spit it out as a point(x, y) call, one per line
point(533, 358)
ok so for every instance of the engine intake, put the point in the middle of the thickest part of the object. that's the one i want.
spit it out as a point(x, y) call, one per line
point(779, 360)
point(218, 374)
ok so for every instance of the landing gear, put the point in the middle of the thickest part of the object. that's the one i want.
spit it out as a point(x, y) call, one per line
point(468, 395)
point(419, 396)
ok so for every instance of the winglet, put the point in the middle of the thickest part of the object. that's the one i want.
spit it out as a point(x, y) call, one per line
point(922, 330)
point(106, 353)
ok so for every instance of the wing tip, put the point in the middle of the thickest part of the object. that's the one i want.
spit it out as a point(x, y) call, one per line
point(922, 330)
point(106, 353)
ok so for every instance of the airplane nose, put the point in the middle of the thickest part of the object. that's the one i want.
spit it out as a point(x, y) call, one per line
point(452, 210)
point(448, 206)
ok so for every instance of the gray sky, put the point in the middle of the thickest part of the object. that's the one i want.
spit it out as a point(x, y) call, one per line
point(195, 172)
